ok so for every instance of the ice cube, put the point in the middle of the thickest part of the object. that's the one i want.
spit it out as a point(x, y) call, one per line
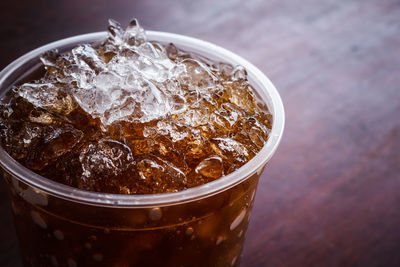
point(134, 34)
point(115, 32)
point(49, 58)
point(172, 130)
point(107, 158)
point(48, 96)
point(240, 94)
point(86, 56)
point(229, 148)
point(49, 143)
point(161, 175)
point(194, 74)
point(211, 167)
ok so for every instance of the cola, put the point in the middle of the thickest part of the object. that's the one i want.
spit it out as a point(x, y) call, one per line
point(131, 116)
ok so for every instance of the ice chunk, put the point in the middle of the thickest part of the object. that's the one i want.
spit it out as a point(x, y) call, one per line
point(140, 83)
point(171, 130)
point(60, 141)
point(240, 94)
point(49, 58)
point(239, 73)
point(46, 144)
point(194, 117)
point(163, 176)
point(115, 32)
point(194, 74)
point(107, 158)
point(128, 87)
point(47, 96)
point(87, 57)
point(134, 34)
point(211, 167)
point(229, 148)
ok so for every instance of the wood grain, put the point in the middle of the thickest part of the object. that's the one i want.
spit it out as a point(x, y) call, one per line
point(331, 194)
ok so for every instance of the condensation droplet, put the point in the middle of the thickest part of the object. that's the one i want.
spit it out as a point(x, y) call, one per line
point(238, 219)
point(38, 219)
point(71, 263)
point(240, 233)
point(233, 261)
point(219, 240)
point(252, 195)
point(98, 257)
point(155, 214)
point(34, 196)
point(58, 234)
point(189, 230)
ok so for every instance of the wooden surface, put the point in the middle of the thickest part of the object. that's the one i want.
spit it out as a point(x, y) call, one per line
point(331, 194)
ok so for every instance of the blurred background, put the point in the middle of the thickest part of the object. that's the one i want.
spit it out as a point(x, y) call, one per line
point(331, 194)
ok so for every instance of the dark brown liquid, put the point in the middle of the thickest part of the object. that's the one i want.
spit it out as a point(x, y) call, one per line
point(207, 124)
point(207, 232)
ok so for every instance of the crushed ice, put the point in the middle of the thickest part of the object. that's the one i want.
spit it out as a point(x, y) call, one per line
point(129, 79)
point(170, 120)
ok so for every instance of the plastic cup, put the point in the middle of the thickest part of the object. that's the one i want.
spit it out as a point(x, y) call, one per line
point(58, 225)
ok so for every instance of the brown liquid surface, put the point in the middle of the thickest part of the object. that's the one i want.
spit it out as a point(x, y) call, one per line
point(155, 134)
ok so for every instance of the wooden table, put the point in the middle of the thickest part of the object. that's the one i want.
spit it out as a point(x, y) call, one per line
point(331, 194)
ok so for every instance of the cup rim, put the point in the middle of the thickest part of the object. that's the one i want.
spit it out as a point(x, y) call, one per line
point(266, 90)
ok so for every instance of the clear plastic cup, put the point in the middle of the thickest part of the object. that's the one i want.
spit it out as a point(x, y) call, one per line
point(58, 225)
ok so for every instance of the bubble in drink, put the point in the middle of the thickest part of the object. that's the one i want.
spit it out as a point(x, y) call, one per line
point(133, 116)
